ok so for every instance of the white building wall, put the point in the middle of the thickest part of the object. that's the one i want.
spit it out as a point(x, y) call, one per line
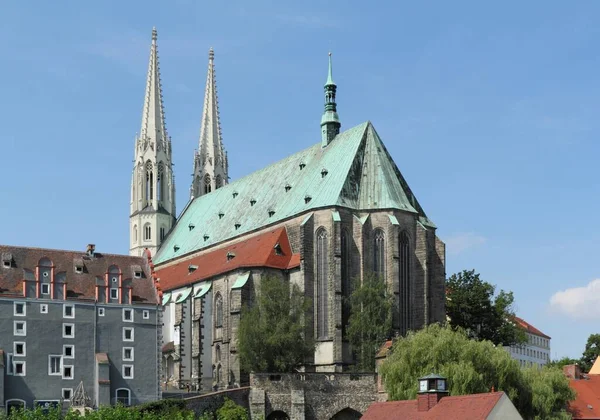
point(535, 352)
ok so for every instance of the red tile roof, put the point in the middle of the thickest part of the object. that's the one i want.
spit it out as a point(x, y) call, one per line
point(587, 403)
point(257, 251)
point(472, 407)
point(384, 349)
point(530, 328)
point(80, 286)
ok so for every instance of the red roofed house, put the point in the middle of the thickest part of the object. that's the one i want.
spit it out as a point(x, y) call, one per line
point(535, 351)
point(587, 402)
point(432, 403)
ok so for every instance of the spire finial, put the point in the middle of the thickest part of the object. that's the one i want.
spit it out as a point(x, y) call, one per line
point(330, 74)
point(211, 54)
point(154, 33)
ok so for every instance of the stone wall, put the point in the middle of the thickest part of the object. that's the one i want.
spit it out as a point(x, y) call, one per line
point(211, 402)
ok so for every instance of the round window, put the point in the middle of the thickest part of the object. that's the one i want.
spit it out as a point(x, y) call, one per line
point(114, 279)
point(45, 274)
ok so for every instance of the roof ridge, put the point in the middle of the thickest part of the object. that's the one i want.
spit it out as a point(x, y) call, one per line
point(83, 253)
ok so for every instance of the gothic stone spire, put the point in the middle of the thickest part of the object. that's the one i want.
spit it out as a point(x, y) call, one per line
point(330, 121)
point(210, 162)
point(152, 212)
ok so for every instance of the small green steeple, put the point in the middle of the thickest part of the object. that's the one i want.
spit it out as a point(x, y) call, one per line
point(330, 121)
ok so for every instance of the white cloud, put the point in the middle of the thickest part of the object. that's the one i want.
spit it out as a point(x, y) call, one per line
point(460, 242)
point(578, 302)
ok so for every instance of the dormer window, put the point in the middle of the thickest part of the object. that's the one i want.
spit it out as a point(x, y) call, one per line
point(235, 194)
point(307, 199)
point(271, 213)
point(7, 260)
point(221, 214)
point(6, 264)
point(191, 226)
point(230, 255)
point(252, 202)
point(237, 226)
point(192, 268)
point(79, 269)
point(206, 237)
point(287, 187)
point(277, 248)
point(302, 165)
point(175, 248)
point(324, 173)
point(137, 274)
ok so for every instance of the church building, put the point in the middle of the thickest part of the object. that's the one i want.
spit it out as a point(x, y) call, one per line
point(319, 218)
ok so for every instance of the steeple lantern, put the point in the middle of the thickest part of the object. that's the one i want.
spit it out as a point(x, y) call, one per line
point(330, 121)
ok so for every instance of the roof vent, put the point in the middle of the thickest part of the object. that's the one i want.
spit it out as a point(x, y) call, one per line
point(287, 187)
point(192, 268)
point(324, 172)
point(235, 194)
point(230, 255)
point(271, 212)
point(221, 214)
point(237, 226)
point(252, 202)
point(191, 226)
point(277, 248)
point(78, 265)
point(307, 199)
point(175, 248)
point(7, 259)
point(206, 237)
point(302, 165)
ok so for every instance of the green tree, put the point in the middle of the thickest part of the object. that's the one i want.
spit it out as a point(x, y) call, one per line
point(471, 305)
point(473, 367)
point(231, 411)
point(271, 333)
point(370, 322)
point(591, 352)
point(560, 363)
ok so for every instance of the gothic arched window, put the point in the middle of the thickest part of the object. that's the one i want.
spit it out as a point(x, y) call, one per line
point(346, 278)
point(207, 186)
point(218, 311)
point(379, 254)
point(404, 280)
point(160, 182)
point(135, 233)
point(218, 182)
point(322, 260)
point(147, 232)
point(149, 181)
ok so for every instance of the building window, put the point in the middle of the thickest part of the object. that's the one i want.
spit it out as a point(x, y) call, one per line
point(404, 281)
point(45, 289)
point(218, 182)
point(55, 365)
point(20, 309)
point(20, 328)
point(127, 315)
point(9, 364)
point(114, 293)
point(19, 368)
point(127, 371)
point(123, 396)
point(100, 311)
point(68, 330)
point(346, 279)
point(68, 372)
point(146, 314)
point(127, 334)
point(147, 232)
point(43, 308)
point(207, 186)
point(69, 351)
point(68, 311)
point(67, 393)
point(379, 254)
point(19, 348)
point(218, 311)
point(162, 233)
point(322, 260)
point(128, 354)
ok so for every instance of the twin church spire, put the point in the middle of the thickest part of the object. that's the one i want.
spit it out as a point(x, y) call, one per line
point(152, 206)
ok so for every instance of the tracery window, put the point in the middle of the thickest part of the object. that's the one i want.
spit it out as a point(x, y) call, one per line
point(218, 311)
point(346, 279)
point(219, 181)
point(147, 232)
point(207, 186)
point(379, 254)
point(404, 280)
point(322, 260)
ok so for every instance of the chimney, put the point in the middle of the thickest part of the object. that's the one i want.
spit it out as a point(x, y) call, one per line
point(432, 388)
point(572, 371)
point(91, 248)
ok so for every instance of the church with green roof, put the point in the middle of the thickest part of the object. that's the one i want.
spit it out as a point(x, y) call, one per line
point(320, 218)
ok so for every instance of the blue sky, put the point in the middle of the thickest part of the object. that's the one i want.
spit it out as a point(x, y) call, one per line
point(490, 111)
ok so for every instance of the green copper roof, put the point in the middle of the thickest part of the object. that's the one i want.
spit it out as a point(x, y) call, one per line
point(183, 295)
point(241, 280)
point(202, 289)
point(166, 298)
point(354, 170)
